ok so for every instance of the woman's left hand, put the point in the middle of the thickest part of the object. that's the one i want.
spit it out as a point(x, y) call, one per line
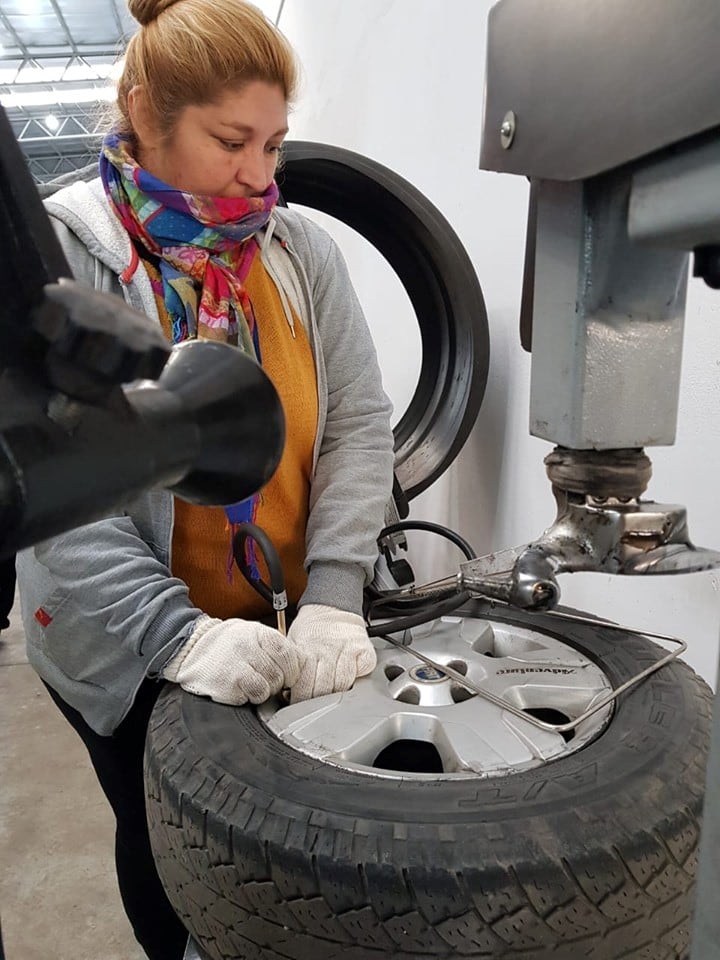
point(334, 650)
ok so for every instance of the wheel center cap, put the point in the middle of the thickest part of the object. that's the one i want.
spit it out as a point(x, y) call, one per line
point(426, 674)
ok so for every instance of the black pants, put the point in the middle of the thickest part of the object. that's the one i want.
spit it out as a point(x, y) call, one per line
point(118, 763)
point(7, 590)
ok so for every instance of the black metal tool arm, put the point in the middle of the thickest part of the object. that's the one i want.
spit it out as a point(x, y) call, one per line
point(95, 405)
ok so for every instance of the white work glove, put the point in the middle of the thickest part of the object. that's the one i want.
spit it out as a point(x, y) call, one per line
point(334, 650)
point(233, 661)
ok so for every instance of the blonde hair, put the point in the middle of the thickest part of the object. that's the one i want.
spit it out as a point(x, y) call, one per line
point(187, 52)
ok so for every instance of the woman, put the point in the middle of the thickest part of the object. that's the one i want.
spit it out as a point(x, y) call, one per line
point(183, 222)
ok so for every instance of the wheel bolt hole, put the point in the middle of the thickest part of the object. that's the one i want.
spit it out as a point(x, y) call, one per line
point(459, 666)
point(392, 671)
point(410, 695)
point(459, 694)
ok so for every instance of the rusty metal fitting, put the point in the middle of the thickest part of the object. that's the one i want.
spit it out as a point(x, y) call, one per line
point(621, 474)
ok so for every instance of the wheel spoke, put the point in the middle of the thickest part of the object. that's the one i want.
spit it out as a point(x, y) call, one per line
point(499, 745)
point(343, 725)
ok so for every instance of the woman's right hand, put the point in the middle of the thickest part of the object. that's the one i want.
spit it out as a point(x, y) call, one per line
point(234, 661)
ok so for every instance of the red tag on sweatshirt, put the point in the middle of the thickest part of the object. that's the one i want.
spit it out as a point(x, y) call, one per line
point(42, 617)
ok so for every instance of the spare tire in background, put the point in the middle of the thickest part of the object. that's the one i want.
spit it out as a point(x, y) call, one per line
point(267, 853)
point(440, 280)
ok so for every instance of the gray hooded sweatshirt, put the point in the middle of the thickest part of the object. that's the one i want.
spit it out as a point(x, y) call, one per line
point(100, 606)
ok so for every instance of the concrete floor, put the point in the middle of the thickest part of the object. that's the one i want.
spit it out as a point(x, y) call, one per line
point(58, 893)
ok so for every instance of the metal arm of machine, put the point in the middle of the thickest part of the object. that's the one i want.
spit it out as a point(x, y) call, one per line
point(602, 525)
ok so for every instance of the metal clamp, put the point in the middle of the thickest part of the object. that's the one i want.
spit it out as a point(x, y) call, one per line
point(589, 534)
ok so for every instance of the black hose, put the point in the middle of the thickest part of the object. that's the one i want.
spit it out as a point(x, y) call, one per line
point(430, 607)
point(247, 531)
point(400, 604)
point(394, 603)
point(414, 620)
point(455, 538)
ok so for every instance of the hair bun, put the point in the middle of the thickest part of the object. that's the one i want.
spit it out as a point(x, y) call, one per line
point(145, 11)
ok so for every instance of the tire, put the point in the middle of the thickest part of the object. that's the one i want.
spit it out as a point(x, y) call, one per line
point(268, 854)
point(438, 277)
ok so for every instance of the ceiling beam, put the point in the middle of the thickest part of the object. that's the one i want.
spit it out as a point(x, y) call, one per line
point(63, 23)
point(4, 19)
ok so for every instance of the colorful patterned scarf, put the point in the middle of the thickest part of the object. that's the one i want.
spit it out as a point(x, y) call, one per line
point(204, 247)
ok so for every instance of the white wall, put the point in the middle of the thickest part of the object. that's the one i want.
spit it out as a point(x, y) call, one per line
point(401, 81)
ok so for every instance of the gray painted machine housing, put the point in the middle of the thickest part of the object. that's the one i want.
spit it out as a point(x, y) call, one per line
point(595, 84)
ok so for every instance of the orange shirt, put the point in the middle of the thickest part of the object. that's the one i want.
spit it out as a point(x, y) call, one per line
point(201, 535)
